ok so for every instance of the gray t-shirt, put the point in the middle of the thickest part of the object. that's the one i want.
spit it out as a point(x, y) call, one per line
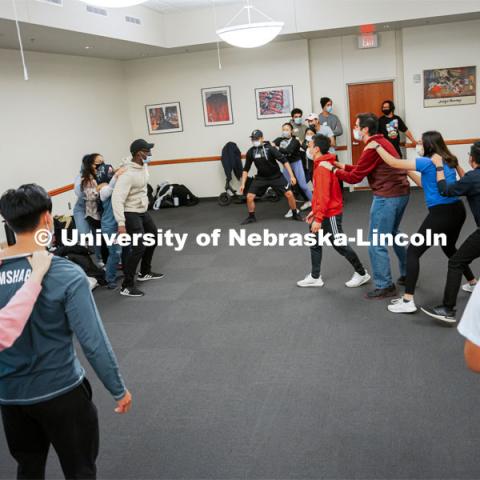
point(469, 326)
point(333, 122)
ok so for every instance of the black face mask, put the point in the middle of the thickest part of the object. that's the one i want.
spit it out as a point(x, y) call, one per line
point(386, 111)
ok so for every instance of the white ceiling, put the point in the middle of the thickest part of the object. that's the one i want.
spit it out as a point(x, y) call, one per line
point(170, 6)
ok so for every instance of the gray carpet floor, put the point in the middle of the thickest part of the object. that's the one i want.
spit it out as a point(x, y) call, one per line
point(237, 373)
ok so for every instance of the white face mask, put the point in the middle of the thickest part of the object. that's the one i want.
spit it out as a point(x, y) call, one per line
point(256, 143)
point(357, 135)
point(420, 150)
point(286, 134)
point(308, 138)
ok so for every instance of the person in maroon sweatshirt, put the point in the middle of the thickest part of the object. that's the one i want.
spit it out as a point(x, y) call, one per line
point(326, 215)
point(391, 191)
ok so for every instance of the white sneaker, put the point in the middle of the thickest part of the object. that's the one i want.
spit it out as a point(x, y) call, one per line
point(289, 214)
point(402, 306)
point(93, 282)
point(309, 281)
point(467, 287)
point(358, 280)
point(396, 300)
point(306, 206)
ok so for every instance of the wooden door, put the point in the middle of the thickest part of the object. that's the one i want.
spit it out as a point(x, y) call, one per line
point(363, 98)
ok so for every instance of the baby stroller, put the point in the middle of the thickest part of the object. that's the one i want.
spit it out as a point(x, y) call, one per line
point(232, 162)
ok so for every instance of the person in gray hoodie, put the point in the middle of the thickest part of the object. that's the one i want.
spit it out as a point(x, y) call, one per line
point(130, 205)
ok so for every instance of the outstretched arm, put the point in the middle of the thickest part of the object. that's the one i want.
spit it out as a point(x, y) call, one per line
point(390, 159)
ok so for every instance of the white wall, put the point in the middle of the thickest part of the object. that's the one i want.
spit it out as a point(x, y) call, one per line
point(435, 46)
point(69, 107)
point(181, 78)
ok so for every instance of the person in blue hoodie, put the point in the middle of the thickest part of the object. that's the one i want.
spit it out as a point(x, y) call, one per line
point(45, 398)
point(109, 225)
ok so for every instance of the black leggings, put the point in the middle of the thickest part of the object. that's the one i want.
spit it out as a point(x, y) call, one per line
point(96, 225)
point(447, 219)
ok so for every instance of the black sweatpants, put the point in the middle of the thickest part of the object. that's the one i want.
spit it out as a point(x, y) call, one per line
point(447, 219)
point(468, 251)
point(333, 225)
point(138, 223)
point(68, 422)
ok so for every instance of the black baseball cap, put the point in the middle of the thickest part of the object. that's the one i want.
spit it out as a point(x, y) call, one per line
point(256, 134)
point(140, 144)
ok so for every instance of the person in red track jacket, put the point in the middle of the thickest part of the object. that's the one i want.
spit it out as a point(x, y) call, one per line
point(326, 215)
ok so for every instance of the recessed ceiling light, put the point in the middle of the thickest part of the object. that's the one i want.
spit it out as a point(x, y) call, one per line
point(87, 48)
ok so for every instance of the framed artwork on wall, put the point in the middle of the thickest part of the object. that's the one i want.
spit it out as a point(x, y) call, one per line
point(274, 102)
point(449, 86)
point(217, 106)
point(164, 118)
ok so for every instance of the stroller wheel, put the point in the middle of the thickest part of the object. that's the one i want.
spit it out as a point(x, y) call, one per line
point(224, 199)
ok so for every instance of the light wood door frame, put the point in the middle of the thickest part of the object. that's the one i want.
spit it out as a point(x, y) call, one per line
point(347, 95)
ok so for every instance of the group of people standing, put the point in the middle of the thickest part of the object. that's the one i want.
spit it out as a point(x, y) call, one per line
point(116, 201)
point(306, 150)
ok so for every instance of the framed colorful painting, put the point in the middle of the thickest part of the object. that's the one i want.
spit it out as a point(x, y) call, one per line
point(164, 118)
point(217, 106)
point(449, 86)
point(274, 102)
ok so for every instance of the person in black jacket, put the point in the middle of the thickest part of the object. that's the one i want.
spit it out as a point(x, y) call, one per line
point(469, 186)
point(266, 158)
point(289, 146)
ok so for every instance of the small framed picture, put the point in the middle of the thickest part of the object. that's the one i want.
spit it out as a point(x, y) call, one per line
point(164, 118)
point(274, 102)
point(217, 106)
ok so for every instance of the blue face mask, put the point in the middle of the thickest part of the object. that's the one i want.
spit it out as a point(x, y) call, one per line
point(298, 120)
point(148, 159)
point(329, 109)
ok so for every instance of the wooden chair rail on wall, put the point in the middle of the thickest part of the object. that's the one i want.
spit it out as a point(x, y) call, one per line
point(340, 148)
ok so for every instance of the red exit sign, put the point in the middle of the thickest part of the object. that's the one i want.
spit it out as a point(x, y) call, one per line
point(368, 40)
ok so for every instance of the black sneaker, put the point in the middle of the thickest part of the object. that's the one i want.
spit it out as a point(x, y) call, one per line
point(380, 293)
point(402, 280)
point(443, 315)
point(297, 216)
point(131, 292)
point(249, 219)
point(149, 276)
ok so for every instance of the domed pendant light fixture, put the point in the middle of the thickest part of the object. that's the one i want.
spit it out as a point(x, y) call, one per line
point(113, 3)
point(251, 34)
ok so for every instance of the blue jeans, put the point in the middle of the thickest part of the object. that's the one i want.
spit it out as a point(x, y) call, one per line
point(81, 223)
point(299, 173)
point(113, 259)
point(385, 216)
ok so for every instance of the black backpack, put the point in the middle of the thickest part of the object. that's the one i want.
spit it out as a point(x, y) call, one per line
point(184, 195)
point(81, 256)
point(151, 196)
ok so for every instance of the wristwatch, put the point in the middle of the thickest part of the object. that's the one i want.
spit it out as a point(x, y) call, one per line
point(439, 169)
point(378, 146)
point(334, 168)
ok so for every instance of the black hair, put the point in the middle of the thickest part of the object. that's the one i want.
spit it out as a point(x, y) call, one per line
point(370, 121)
point(311, 129)
point(296, 111)
point(322, 142)
point(475, 152)
point(433, 142)
point(22, 208)
point(390, 104)
point(288, 124)
point(88, 168)
point(324, 101)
